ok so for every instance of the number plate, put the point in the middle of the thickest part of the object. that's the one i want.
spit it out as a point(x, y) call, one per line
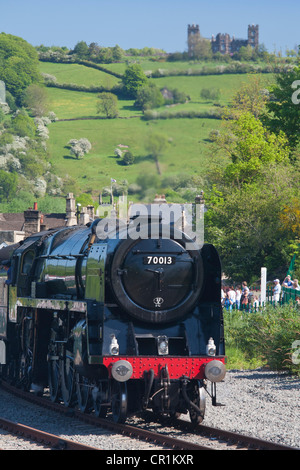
point(159, 260)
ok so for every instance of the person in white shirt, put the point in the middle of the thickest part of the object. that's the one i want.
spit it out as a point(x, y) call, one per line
point(238, 295)
point(232, 296)
point(255, 303)
point(276, 290)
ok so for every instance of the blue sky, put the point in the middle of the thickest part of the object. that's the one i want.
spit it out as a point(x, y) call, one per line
point(156, 23)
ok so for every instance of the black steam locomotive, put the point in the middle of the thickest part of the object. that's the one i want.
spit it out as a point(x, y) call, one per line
point(116, 323)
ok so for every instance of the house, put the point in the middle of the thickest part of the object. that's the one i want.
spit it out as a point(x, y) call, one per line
point(17, 226)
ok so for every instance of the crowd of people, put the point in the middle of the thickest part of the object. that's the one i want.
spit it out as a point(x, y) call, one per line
point(241, 298)
point(238, 297)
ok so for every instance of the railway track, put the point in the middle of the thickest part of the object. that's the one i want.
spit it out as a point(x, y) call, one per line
point(43, 438)
point(227, 438)
point(165, 435)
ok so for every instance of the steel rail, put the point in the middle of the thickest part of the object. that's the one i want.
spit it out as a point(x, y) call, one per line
point(231, 438)
point(49, 440)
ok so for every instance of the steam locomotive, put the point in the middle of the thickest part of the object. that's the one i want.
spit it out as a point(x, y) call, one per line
point(117, 324)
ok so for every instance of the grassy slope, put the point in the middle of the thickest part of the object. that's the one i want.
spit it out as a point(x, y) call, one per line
point(185, 153)
point(188, 145)
point(79, 74)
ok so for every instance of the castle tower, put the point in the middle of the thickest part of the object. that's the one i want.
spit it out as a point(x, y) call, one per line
point(253, 35)
point(193, 38)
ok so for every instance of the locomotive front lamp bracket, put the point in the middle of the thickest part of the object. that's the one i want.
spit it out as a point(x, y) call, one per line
point(162, 345)
point(114, 346)
point(211, 347)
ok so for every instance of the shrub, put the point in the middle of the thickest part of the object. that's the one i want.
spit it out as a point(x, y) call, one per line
point(128, 158)
point(267, 335)
point(210, 94)
point(23, 125)
point(80, 147)
point(133, 79)
point(108, 105)
point(149, 97)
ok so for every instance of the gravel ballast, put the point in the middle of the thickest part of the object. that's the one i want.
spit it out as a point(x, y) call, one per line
point(258, 403)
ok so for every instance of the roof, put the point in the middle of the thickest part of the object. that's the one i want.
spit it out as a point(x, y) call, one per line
point(12, 222)
point(15, 222)
point(54, 220)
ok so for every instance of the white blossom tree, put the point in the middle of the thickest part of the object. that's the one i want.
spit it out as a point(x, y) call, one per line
point(80, 147)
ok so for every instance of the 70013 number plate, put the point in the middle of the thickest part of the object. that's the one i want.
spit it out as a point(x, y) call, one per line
point(159, 260)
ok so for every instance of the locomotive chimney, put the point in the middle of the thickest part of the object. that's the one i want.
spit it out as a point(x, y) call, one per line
point(71, 210)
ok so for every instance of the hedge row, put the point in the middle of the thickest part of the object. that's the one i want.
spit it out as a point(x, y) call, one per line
point(117, 89)
point(151, 114)
point(236, 68)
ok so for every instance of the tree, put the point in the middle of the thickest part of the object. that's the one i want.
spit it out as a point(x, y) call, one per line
point(290, 217)
point(245, 53)
point(108, 104)
point(117, 53)
point(253, 214)
point(85, 200)
point(19, 65)
point(210, 94)
point(8, 185)
point(149, 97)
point(81, 50)
point(36, 99)
point(94, 50)
point(128, 158)
point(133, 79)
point(202, 49)
point(80, 147)
point(250, 146)
point(251, 97)
point(155, 145)
point(245, 223)
point(284, 109)
point(23, 125)
point(199, 48)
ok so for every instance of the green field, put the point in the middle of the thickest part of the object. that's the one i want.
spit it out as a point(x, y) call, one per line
point(186, 152)
point(79, 74)
point(188, 149)
point(73, 104)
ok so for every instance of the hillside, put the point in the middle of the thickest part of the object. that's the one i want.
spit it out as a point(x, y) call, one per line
point(188, 150)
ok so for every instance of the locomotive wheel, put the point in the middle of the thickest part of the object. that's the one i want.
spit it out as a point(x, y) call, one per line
point(25, 371)
point(67, 380)
point(83, 392)
point(54, 380)
point(196, 395)
point(119, 401)
point(100, 399)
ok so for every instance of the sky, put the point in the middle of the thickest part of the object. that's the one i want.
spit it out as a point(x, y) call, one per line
point(155, 23)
